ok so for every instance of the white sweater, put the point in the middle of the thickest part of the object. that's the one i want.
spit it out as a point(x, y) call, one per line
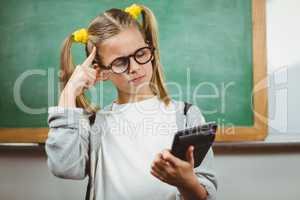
point(134, 134)
point(118, 156)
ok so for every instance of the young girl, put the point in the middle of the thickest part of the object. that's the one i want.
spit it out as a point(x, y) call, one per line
point(124, 148)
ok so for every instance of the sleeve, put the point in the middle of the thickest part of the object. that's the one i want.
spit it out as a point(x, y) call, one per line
point(67, 144)
point(205, 172)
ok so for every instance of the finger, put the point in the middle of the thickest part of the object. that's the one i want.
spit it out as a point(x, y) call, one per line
point(88, 81)
point(164, 162)
point(90, 71)
point(87, 84)
point(160, 171)
point(158, 163)
point(159, 166)
point(167, 156)
point(88, 61)
point(92, 82)
point(158, 160)
point(85, 87)
point(190, 155)
point(154, 173)
point(89, 74)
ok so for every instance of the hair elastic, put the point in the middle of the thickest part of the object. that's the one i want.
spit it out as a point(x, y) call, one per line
point(81, 35)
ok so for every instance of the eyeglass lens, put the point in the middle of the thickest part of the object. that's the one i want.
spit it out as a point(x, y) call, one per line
point(141, 56)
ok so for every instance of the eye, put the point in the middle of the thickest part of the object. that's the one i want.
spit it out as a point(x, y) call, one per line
point(141, 53)
point(120, 62)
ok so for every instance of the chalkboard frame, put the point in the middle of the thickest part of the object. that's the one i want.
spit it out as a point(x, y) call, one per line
point(260, 99)
point(259, 130)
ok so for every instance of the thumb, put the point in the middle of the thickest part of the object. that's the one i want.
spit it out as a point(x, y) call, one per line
point(190, 155)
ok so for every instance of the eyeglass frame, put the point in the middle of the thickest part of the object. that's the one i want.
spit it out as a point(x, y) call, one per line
point(152, 49)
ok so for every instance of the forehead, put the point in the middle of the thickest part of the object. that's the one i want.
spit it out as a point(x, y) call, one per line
point(122, 44)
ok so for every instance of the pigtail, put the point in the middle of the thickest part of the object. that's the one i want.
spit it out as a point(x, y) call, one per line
point(66, 63)
point(150, 29)
point(67, 67)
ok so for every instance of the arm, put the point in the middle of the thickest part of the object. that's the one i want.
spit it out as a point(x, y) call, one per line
point(67, 144)
point(205, 173)
point(204, 186)
point(192, 184)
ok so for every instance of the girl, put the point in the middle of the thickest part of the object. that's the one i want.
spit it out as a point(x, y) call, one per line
point(124, 147)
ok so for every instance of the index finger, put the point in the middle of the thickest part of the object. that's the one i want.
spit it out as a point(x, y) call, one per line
point(88, 61)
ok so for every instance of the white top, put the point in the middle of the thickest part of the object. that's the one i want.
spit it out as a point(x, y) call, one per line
point(134, 133)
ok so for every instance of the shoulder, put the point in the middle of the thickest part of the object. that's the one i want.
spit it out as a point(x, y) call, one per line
point(107, 108)
point(98, 116)
point(194, 114)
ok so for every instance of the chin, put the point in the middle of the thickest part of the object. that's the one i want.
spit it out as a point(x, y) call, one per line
point(139, 88)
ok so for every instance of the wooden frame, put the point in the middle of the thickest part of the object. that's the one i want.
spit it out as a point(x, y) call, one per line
point(23, 135)
point(260, 101)
point(260, 97)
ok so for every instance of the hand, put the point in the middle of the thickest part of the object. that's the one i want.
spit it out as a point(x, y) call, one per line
point(84, 77)
point(174, 171)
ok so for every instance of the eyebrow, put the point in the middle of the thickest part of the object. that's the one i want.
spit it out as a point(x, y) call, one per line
point(145, 45)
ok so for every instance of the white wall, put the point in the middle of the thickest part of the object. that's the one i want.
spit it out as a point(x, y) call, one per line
point(270, 176)
point(24, 176)
point(283, 43)
point(244, 176)
point(263, 176)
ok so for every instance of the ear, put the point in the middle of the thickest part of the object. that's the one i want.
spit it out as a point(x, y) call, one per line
point(152, 58)
point(102, 75)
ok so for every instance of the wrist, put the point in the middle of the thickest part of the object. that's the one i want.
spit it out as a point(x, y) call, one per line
point(192, 189)
point(189, 184)
point(67, 98)
point(69, 89)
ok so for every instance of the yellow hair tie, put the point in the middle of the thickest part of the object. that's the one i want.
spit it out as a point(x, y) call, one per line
point(134, 10)
point(80, 35)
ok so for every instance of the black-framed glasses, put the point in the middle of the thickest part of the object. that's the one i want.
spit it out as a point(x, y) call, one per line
point(141, 56)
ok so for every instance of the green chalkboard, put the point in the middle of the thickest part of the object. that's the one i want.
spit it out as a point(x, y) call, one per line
point(206, 52)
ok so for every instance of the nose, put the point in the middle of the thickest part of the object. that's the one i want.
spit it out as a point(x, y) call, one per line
point(133, 65)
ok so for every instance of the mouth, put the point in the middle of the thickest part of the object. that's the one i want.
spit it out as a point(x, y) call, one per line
point(137, 79)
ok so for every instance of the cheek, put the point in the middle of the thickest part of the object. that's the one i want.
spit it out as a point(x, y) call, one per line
point(120, 81)
point(149, 70)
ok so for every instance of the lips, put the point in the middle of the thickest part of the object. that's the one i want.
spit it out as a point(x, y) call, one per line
point(136, 78)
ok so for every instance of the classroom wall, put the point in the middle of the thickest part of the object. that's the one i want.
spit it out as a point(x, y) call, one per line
point(283, 66)
point(243, 176)
point(247, 176)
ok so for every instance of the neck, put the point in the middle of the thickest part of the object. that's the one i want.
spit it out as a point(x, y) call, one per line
point(126, 97)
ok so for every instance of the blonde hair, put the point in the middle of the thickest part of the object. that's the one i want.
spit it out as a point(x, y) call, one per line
point(109, 24)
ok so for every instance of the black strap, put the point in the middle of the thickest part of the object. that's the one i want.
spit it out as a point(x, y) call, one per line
point(88, 188)
point(186, 107)
point(87, 193)
point(185, 110)
point(92, 118)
